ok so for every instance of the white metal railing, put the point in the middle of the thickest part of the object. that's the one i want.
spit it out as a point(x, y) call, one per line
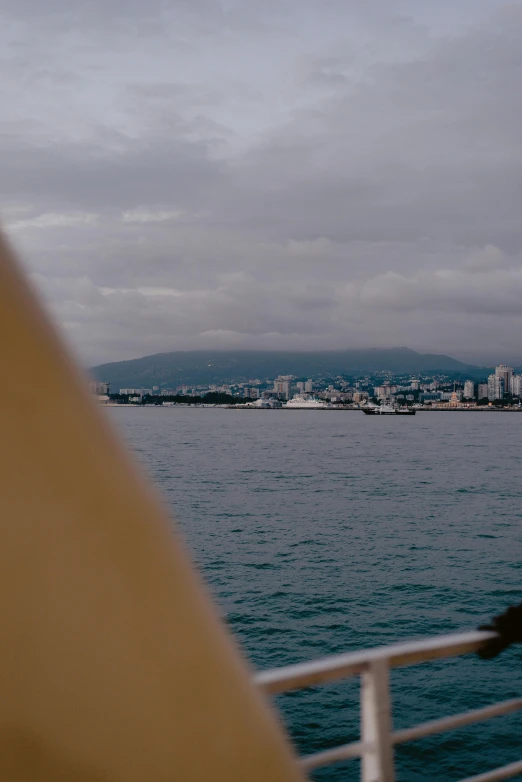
point(375, 747)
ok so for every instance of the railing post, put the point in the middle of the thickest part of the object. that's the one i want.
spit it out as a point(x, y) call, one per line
point(376, 723)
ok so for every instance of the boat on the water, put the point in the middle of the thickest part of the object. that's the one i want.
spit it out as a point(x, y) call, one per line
point(387, 410)
point(305, 403)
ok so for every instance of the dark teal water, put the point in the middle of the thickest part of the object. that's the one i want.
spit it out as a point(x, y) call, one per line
point(324, 532)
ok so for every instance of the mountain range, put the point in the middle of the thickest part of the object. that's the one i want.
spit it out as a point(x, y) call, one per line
point(198, 367)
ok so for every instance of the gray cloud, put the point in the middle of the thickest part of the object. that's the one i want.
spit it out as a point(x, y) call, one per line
point(314, 174)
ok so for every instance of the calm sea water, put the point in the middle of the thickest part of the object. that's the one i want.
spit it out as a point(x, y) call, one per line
point(323, 532)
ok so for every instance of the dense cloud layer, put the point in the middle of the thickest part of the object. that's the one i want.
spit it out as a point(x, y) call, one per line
point(323, 173)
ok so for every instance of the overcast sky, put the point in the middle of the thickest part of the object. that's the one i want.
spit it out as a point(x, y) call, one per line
point(277, 174)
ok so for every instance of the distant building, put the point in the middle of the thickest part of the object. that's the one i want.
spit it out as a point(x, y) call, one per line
point(516, 385)
point(469, 389)
point(482, 391)
point(429, 396)
point(383, 392)
point(137, 392)
point(300, 387)
point(448, 396)
point(506, 374)
point(282, 388)
point(99, 387)
point(308, 387)
point(495, 387)
point(455, 399)
point(414, 384)
point(251, 393)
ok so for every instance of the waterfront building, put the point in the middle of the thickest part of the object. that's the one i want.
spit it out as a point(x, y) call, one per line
point(429, 396)
point(138, 392)
point(482, 391)
point(251, 393)
point(469, 389)
point(383, 392)
point(454, 397)
point(506, 373)
point(496, 387)
point(282, 388)
point(516, 385)
point(308, 387)
point(99, 388)
point(445, 396)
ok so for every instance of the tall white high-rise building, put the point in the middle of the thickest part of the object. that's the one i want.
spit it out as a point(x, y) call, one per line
point(506, 373)
point(309, 387)
point(495, 387)
point(469, 389)
point(516, 385)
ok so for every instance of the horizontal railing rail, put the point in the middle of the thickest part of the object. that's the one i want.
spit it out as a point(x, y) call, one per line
point(340, 666)
point(375, 747)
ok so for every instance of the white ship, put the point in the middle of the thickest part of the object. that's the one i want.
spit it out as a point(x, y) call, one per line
point(305, 403)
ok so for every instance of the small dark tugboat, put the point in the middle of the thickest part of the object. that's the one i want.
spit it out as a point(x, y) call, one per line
point(387, 410)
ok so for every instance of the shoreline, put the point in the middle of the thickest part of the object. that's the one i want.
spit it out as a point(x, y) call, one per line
point(319, 409)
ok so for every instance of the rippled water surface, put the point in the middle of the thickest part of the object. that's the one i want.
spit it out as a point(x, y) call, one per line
point(320, 532)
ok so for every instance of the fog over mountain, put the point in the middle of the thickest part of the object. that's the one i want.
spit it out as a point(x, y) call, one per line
point(284, 175)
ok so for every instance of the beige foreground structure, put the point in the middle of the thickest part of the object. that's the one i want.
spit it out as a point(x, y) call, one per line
point(114, 665)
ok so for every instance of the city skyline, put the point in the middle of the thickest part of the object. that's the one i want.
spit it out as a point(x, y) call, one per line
point(432, 391)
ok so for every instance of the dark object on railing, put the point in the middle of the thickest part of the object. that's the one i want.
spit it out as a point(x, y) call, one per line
point(509, 628)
